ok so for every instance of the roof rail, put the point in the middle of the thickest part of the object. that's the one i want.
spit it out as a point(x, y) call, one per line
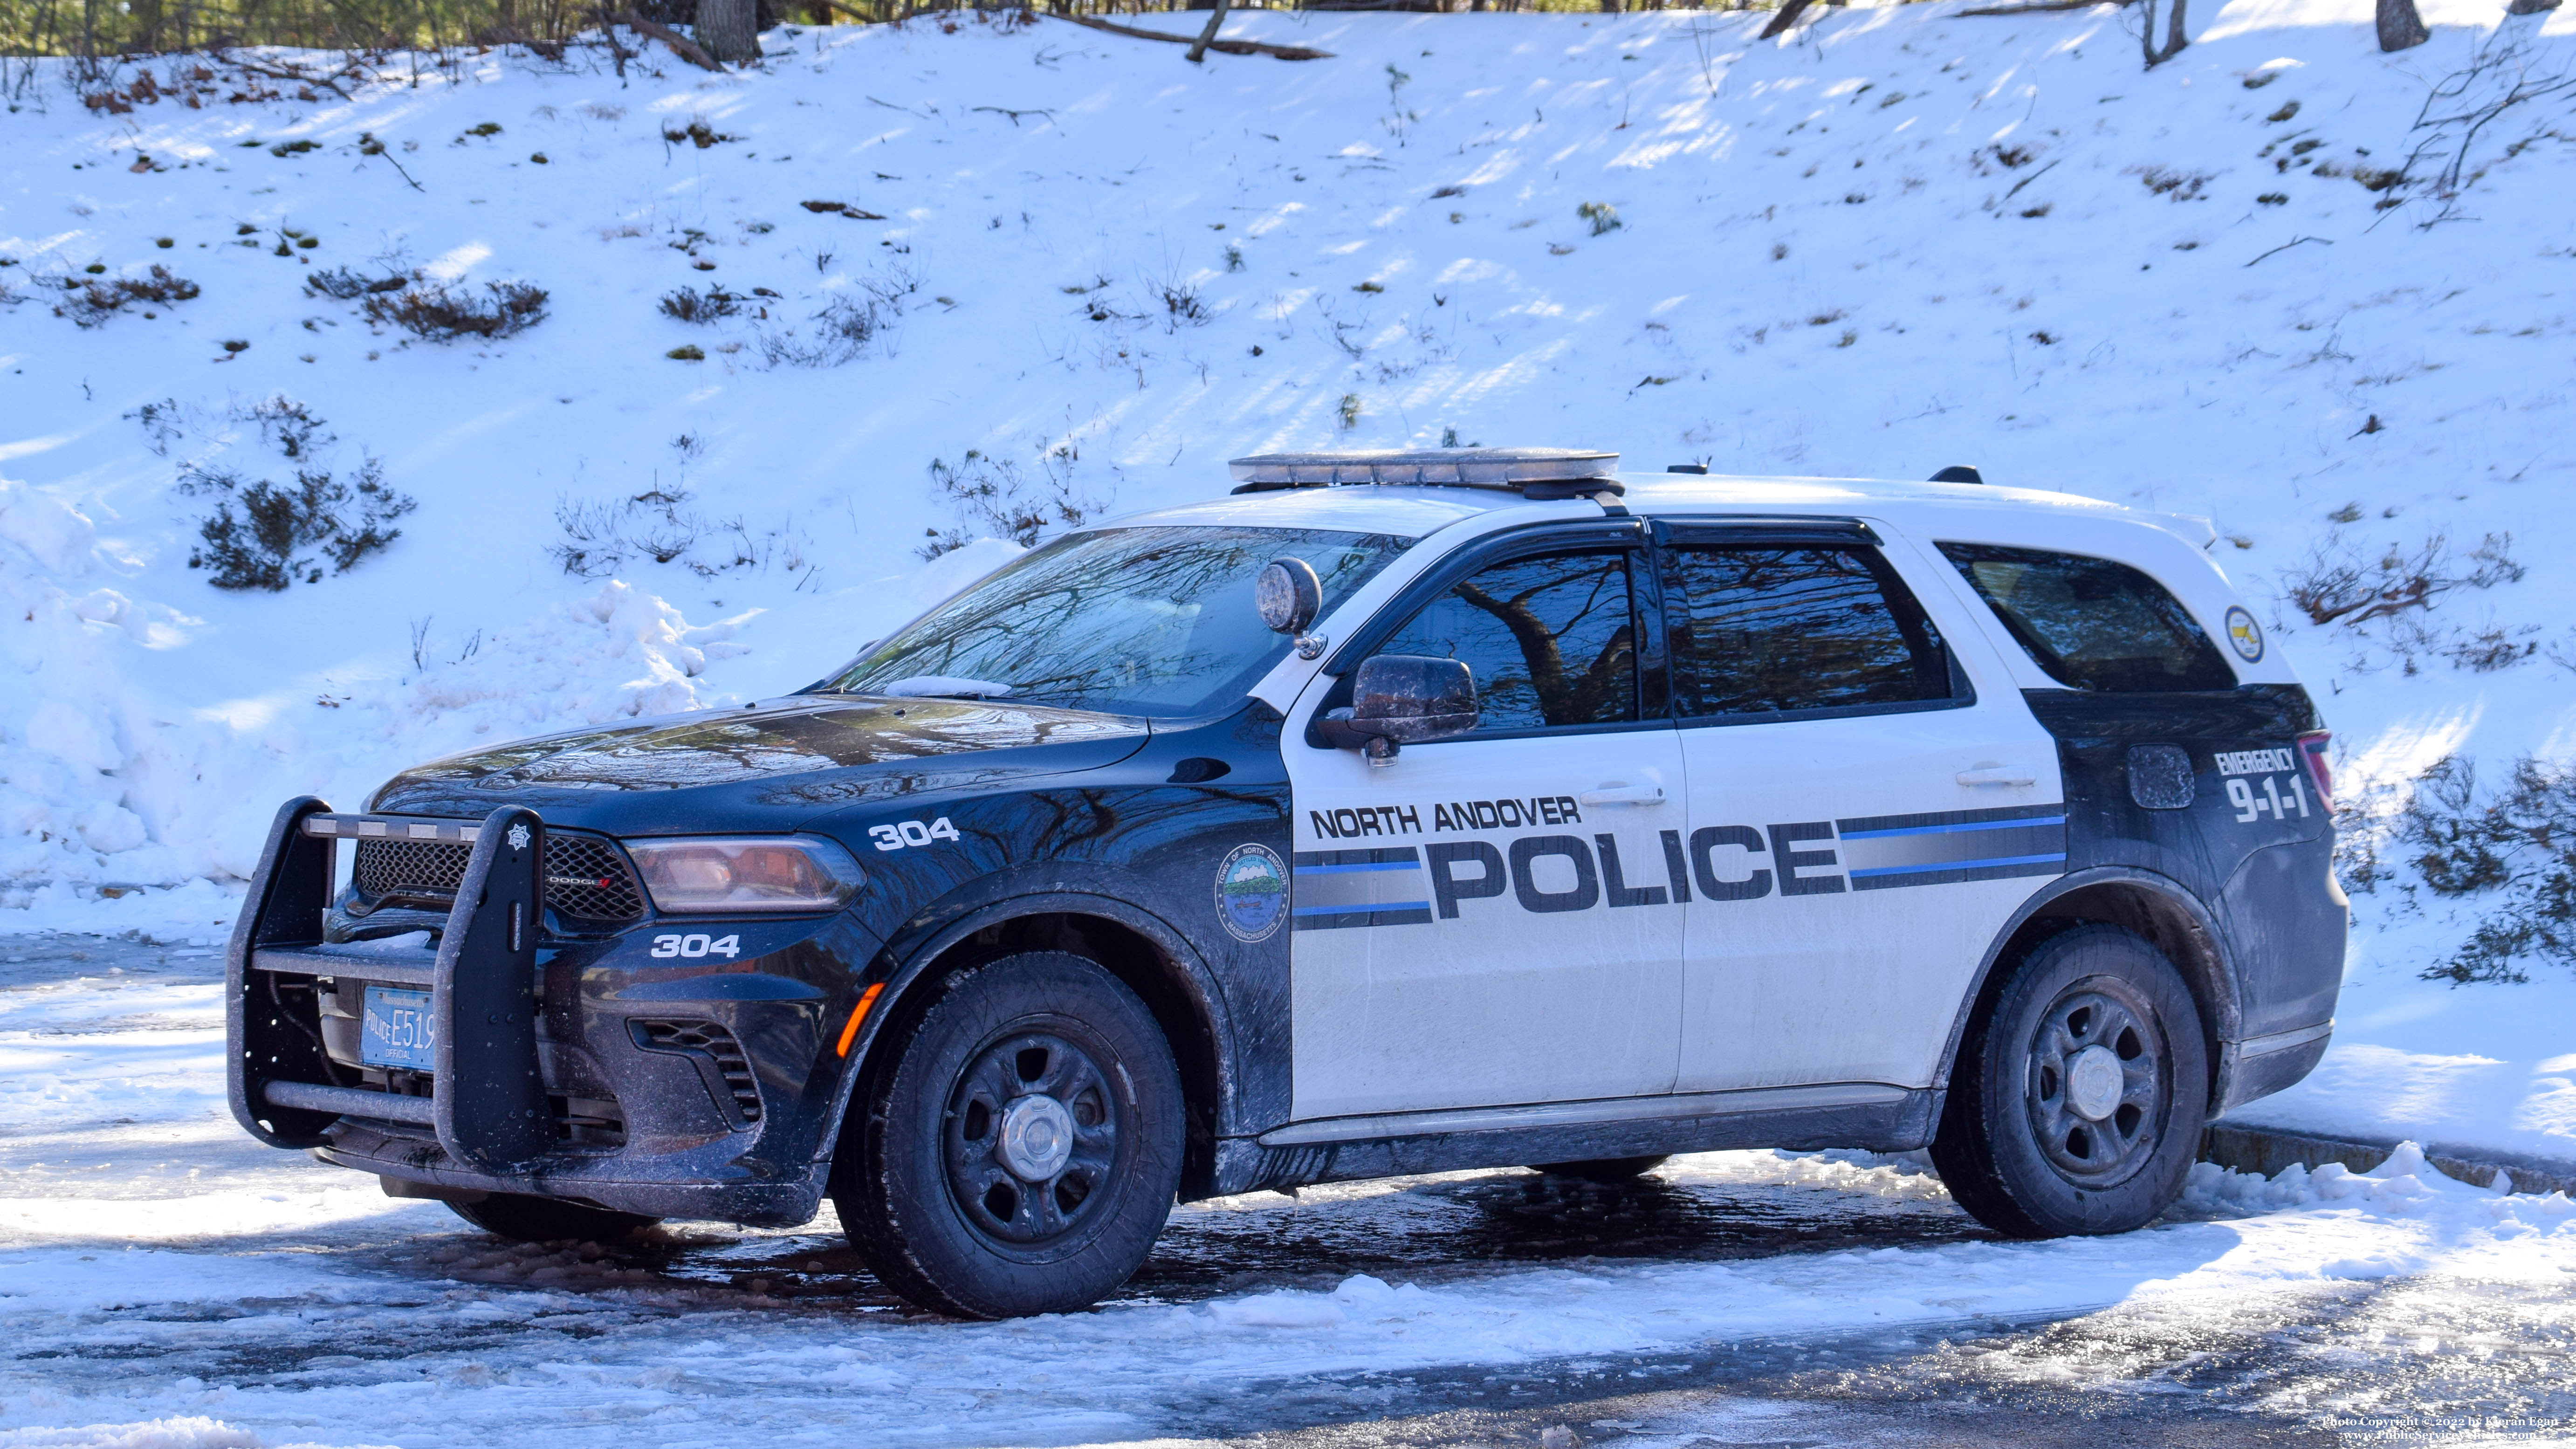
point(1533, 473)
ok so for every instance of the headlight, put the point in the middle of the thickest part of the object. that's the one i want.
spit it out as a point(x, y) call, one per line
point(757, 873)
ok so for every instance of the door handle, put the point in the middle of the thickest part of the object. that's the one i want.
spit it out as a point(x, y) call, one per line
point(1987, 772)
point(1618, 794)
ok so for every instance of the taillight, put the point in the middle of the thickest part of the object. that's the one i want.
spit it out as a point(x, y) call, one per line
point(2312, 750)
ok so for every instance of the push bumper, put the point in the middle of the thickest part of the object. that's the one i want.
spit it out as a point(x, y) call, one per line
point(532, 1089)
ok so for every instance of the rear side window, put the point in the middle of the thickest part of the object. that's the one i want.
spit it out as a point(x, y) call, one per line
point(2092, 623)
point(1775, 629)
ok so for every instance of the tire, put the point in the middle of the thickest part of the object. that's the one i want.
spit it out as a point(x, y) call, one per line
point(1020, 1151)
point(547, 1220)
point(2077, 1101)
point(1603, 1169)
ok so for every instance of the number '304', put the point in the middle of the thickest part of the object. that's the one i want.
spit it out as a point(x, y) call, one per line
point(911, 832)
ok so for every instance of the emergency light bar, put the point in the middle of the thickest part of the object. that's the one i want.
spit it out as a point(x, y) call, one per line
point(1537, 473)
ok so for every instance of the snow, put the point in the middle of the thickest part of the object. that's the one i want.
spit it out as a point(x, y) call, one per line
point(1824, 265)
point(177, 1279)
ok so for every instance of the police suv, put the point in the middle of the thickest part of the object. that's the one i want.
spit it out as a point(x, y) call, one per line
point(1398, 813)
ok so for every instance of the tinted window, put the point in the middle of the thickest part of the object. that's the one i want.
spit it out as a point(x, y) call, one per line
point(1551, 640)
point(2092, 623)
point(1784, 628)
point(1151, 621)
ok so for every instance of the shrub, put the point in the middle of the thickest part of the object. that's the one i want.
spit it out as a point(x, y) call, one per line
point(2338, 583)
point(441, 313)
point(993, 498)
point(690, 305)
point(1603, 216)
point(2514, 847)
point(265, 535)
point(92, 303)
point(347, 284)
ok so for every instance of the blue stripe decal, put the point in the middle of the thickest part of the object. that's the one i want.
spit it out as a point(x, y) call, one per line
point(1338, 869)
point(1959, 865)
point(1953, 829)
point(1363, 908)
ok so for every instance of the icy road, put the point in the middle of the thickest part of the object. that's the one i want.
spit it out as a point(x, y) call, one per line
point(165, 1282)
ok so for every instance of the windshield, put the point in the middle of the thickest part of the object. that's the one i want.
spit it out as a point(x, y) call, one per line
point(1149, 621)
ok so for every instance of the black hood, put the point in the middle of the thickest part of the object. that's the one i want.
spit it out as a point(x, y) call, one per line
point(763, 767)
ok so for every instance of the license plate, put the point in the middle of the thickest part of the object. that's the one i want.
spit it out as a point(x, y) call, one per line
point(398, 1030)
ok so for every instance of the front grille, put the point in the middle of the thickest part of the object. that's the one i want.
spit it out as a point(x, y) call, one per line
point(711, 1042)
point(410, 870)
point(587, 877)
point(583, 876)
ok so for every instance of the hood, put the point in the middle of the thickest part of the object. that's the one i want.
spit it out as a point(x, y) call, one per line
point(763, 766)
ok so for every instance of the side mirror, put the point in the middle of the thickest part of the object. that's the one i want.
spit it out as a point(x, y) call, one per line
point(1401, 699)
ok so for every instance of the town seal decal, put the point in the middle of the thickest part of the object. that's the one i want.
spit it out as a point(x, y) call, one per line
point(1252, 893)
point(2242, 632)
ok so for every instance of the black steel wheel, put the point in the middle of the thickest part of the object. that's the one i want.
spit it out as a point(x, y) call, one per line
point(547, 1219)
point(2077, 1100)
point(1018, 1149)
point(1031, 1137)
point(1603, 1169)
point(2097, 1085)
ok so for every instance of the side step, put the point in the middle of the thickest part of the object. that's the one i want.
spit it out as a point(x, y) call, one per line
point(489, 1100)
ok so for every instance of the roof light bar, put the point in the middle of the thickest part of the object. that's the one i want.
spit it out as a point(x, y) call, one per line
point(1538, 473)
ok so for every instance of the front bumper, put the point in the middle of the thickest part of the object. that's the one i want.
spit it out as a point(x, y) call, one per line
point(609, 1070)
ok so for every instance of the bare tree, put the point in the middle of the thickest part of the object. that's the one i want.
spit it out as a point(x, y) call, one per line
point(2400, 28)
point(2176, 37)
point(729, 30)
point(1216, 17)
point(1786, 16)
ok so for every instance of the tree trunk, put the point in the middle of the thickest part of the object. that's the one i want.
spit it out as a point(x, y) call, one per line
point(2400, 28)
point(1784, 17)
point(1216, 17)
point(729, 30)
point(2176, 36)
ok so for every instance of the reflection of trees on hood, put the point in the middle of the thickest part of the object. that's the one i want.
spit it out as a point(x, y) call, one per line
point(701, 751)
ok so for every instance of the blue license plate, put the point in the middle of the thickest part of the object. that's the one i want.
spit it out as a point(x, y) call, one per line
point(398, 1030)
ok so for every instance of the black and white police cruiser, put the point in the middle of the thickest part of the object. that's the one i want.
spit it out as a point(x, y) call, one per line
point(1398, 813)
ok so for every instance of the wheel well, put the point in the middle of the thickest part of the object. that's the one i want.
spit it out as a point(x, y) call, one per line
point(2163, 922)
point(1136, 960)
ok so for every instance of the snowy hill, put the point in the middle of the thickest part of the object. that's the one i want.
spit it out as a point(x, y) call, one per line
point(1073, 268)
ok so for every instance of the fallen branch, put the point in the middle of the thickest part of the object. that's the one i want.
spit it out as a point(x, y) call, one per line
point(284, 73)
point(1230, 47)
point(1015, 115)
point(2285, 246)
point(2034, 7)
point(681, 45)
point(2034, 176)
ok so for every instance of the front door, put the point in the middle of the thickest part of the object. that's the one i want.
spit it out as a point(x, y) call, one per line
point(1863, 822)
point(1495, 919)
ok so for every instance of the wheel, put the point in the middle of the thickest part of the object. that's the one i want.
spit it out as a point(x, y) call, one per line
point(1020, 1151)
point(547, 1219)
point(2077, 1101)
point(1602, 1169)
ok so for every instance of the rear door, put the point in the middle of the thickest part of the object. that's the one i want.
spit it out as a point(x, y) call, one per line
point(1863, 818)
point(1494, 919)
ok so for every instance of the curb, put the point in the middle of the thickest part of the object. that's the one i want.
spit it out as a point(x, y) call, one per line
point(2267, 1150)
